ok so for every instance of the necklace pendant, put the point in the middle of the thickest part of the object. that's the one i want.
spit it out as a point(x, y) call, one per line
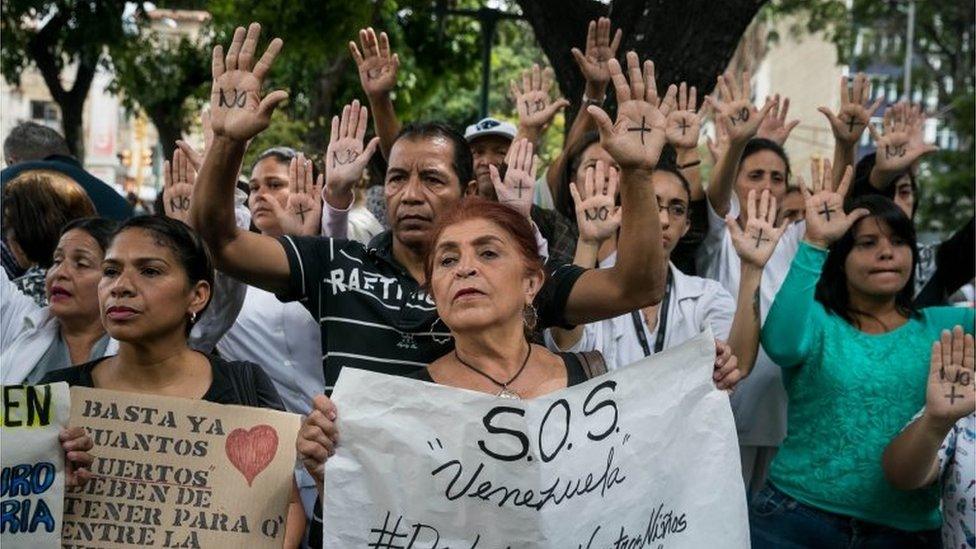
point(511, 395)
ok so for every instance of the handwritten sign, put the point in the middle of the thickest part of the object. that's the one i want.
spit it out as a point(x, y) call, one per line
point(32, 478)
point(643, 457)
point(173, 472)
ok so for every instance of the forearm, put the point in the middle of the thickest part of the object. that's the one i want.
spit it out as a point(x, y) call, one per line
point(384, 121)
point(691, 159)
point(843, 156)
point(879, 179)
point(911, 460)
point(722, 179)
point(746, 324)
point(794, 307)
point(212, 205)
point(295, 523)
point(586, 257)
point(641, 265)
point(582, 124)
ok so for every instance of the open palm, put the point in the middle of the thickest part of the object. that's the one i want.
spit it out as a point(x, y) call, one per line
point(826, 220)
point(755, 244)
point(951, 392)
point(597, 215)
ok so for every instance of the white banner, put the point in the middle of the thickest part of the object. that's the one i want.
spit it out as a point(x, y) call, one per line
point(32, 480)
point(643, 457)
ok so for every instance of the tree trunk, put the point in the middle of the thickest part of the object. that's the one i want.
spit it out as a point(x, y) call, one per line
point(166, 119)
point(688, 40)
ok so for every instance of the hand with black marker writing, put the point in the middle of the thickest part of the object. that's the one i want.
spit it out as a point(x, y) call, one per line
point(855, 110)
point(376, 64)
point(775, 127)
point(951, 393)
point(594, 62)
point(755, 244)
point(900, 143)
point(533, 103)
point(597, 215)
point(302, 212)
point(517, 189)
point(732, 103)
point(78, 461)
point(637, 137)
point(826, 220)
point(237, 110)
point(684, 122)
point(346, 157)
point(318, 438)
point(726, 373)
point(178, 179)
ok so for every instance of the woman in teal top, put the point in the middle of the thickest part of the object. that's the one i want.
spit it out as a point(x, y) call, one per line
point(855, 356)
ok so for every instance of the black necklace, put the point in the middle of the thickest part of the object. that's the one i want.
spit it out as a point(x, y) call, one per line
point(505, 392)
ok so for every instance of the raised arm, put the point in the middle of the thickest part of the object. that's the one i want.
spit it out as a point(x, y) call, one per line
point(594, 65)
point(635, 141)
point(535, 107)
point(755, 246)
point(684, 127)
point(853, 117)
point(238, 113)
point(911, 461)
point(741, 120)
point(900, 144)
point(378, 73)
point(794, 305)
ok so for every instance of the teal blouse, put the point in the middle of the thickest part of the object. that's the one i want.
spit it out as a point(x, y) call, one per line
point(849, 394)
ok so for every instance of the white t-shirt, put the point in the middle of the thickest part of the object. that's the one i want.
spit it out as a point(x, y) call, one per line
point(759, 401)
point(957, 467)
point(696, 304)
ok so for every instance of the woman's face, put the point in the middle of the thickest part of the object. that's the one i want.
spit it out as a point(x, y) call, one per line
point(905, 195)
point(672, 204)
point(479, 278)
point(144, 292)
point(880, 263)
point(72, 281)
point(591, 155)
point(761, 171)
point(269, 181)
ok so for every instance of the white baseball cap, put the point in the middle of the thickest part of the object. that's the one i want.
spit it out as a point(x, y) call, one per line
point(489, 126)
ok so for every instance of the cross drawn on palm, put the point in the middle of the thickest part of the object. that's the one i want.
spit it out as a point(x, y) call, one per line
point(951, 392)
point(517, 189)
point(756, 242)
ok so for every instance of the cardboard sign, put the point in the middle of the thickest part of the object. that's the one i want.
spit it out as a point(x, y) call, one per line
point(174, 472)
point(643, 457)
point(32, 478)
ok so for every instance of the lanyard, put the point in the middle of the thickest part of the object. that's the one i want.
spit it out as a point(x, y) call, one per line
point(662, 324)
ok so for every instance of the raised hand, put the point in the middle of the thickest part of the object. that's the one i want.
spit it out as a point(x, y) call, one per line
point(901, 143)
point(684, 123)
point(597, 215)
point(194, 157)
point(755, 244)
point(594, 63)
point(178, 179)
point(775, 127)
point(951, 392)
point(517, 189)
point(825, 216)
point(237, 110)
point(535, 108)
point(855, 112)
point(720, 145)
point(345, 157)
point(635, 140)
point(377, 66)
point(302, 214)
point(741, 116)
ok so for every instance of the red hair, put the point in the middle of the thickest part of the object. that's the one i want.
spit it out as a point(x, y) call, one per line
point(506, 218)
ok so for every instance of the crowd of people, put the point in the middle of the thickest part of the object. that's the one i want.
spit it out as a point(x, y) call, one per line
point(461, 259)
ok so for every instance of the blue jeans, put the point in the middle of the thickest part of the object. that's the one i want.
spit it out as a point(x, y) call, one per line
point(777, 521)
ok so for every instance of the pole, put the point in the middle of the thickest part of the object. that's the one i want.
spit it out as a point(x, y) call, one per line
point(909, 43)
point(487, 34)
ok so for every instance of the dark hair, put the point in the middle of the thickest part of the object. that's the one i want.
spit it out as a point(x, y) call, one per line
point(862, 186)
point(574, 157)
point(463, 162)
point(283, 155)
point(668, 164)
point(36, 204)
point(99, 228)
point(189, 248)
point(475, 207)
point(832, 287)
point(759, 144)
point(32, 141)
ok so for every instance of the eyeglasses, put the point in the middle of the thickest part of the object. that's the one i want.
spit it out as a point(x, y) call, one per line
point(675, 210)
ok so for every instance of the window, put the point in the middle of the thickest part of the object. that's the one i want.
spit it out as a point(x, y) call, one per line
point(44, 111)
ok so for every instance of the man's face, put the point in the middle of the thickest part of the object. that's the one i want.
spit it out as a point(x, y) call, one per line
point(421, 184)
point(488, 150)
point(269, 182)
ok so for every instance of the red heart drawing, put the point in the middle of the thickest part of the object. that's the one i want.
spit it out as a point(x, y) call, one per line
point(252, 451)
